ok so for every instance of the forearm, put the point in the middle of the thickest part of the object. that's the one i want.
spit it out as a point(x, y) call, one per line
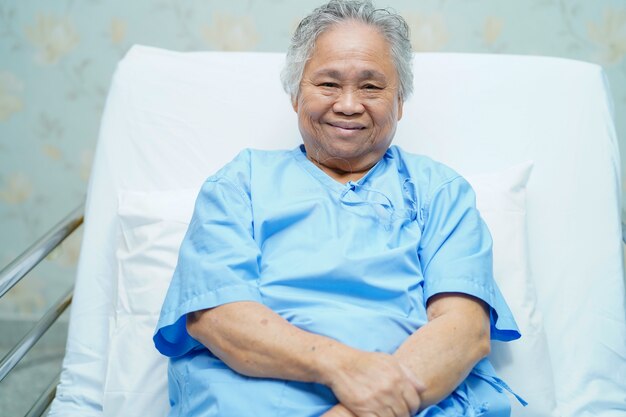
point(255, 341)
point(443, 352)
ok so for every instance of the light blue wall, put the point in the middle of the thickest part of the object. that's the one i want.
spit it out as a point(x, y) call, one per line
point(57, 58)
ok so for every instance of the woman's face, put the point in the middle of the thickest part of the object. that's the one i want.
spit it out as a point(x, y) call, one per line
point(349, 103)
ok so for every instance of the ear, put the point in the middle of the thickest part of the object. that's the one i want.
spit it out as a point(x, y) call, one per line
point(400, 104)
point(294, 104)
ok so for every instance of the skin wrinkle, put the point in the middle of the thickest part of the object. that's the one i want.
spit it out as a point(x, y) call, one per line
point(433, 360)
point(393, 28)
point(352, 81)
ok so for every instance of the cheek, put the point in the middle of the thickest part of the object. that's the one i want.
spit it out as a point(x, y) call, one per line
point(383, 118)
point(313, 107)
point(309, 115)
point(387, 114)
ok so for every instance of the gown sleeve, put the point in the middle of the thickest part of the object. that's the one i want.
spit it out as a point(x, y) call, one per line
point(218, 263)
point(456, 253)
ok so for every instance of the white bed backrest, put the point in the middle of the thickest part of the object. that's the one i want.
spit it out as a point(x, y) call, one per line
point(235, 103)
point(475, 112)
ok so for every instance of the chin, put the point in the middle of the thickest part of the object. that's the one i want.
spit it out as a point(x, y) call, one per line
point(354, 161)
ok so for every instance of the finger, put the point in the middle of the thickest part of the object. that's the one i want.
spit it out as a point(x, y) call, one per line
point(412, 394)
point(399, 410)
point(412, 400)
point(339, 411)
point(415, 381)
point(400, 407)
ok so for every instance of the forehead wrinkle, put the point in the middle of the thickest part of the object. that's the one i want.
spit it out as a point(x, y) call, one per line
point(372, 75)
point(366, 74)
point(332, 73)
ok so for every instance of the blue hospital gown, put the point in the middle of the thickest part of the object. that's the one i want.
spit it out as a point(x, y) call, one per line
point(356, 262)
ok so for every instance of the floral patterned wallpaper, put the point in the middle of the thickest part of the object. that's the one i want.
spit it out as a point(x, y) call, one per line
point(57, 58)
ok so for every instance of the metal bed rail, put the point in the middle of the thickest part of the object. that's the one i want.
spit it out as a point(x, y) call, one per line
point(44, 400)
point(12, 274)
point(20, 266)
point(17, 269)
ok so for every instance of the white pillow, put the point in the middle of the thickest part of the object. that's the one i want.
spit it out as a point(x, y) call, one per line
point(153, 225)
point(524, 364)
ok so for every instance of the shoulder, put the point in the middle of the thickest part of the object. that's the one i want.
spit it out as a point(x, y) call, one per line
point(428, 176)
point(239, 171)
point(248, 159)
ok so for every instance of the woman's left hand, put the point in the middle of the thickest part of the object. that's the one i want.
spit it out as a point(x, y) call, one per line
point(338, 411)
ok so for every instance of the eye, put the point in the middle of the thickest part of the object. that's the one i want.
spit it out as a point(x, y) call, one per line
point(328, 85)
point(371, 87)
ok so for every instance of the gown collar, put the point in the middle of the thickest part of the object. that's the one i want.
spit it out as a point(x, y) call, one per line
point(300, 155)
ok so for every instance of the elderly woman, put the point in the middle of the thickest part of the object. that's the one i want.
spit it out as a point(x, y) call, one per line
point(345, 277)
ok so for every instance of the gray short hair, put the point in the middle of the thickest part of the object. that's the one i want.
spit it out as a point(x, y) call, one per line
point(391, 25)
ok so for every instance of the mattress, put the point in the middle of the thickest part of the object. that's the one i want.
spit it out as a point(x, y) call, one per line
point(173, 118)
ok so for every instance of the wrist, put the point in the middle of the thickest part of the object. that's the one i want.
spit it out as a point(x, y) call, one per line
point(330, 359)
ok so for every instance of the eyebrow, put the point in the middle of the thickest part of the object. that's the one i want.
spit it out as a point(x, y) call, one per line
point(365, 74)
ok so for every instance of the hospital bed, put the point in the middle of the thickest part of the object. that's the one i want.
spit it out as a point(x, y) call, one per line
point(533, 135)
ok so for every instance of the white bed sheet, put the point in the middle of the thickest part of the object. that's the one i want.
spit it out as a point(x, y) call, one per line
point(475, 112)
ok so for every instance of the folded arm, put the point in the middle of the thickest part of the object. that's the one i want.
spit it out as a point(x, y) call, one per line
point(443, 352)
point(255, 341)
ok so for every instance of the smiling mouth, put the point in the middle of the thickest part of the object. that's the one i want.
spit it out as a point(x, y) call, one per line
point(346, 126)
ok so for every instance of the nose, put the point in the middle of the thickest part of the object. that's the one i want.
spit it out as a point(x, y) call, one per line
point(348, 103)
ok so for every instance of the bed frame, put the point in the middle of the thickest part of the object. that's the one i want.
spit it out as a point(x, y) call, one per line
point(474, 112)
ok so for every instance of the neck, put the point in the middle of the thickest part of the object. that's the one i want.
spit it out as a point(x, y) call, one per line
point(338, 174)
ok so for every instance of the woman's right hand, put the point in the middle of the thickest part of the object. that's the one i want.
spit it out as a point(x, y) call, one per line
point(375, 384)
